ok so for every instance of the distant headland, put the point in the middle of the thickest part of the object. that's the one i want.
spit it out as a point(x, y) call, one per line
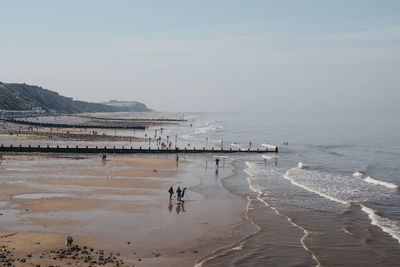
point(31, 98)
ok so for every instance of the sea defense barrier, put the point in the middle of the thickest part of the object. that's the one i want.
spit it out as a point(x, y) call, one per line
point(63, 125)
point(124, 150)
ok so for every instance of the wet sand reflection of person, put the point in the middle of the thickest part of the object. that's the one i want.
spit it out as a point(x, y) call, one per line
point(180, 207)
point(170, 206)
point(183, 206)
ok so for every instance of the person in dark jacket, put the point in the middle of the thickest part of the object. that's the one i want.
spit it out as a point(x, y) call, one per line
point(171, 192)
point(178, 194)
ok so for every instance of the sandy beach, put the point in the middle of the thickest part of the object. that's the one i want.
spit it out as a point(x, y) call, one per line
point(119, 206)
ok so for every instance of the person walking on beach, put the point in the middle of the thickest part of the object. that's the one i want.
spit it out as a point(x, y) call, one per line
point(178, 194)
point(171, 192)
point(183, 192)
point(217, 162)
point(177, 158)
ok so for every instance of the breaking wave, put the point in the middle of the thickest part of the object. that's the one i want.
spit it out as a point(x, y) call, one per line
point(387, 225)
point(336, 187)
point(372, 180)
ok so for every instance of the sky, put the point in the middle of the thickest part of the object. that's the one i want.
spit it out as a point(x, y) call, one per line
point(296, 57)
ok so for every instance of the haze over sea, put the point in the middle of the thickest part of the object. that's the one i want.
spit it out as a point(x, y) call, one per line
point(335, 183)
point(320, 75)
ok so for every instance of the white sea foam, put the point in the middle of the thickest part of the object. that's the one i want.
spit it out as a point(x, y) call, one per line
point(387, 225)
point(259, 190)
point(347, 232)
point(372, 180)
point(269, 146)
point(211, 126)
point(302, 165)
point(336, 187)
point(325, 195)
point(242, 147)
point(358, 174)
point(270, 157)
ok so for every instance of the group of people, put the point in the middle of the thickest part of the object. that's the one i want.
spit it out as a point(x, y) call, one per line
point(180, 193)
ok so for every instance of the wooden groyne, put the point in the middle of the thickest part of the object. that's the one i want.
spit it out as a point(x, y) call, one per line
point(63, 125)
point(131, 119)
point(124, 150)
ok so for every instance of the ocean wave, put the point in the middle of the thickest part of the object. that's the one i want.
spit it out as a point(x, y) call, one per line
point(242, 147)
point(373, 180)
point(259, 190)
point(210, 127)
point(387, 225)
point(336, 187)
point(302, 165)
point(269, 146)
point(270, 157)
point(358, 174)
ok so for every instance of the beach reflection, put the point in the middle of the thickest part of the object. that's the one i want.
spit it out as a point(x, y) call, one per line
point(180, 207)
point(170, 206)
point(103, 163)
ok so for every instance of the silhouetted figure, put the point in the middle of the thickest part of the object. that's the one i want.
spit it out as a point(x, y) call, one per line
point(68, 241)
point(217, 161)
point(171, 192)
point(183, 192)
point(103, 156)
point(178, 194)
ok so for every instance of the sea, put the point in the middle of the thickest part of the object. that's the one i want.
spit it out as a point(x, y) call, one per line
point(330, 197)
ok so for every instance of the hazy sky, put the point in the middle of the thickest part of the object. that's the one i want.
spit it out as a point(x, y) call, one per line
point(260, 56)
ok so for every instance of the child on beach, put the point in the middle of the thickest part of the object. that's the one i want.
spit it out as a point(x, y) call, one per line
point(68, 241)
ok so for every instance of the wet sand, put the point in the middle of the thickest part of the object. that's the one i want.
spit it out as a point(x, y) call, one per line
point(120, 206)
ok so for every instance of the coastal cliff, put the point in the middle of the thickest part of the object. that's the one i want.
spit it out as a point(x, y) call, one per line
point(14, 96)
